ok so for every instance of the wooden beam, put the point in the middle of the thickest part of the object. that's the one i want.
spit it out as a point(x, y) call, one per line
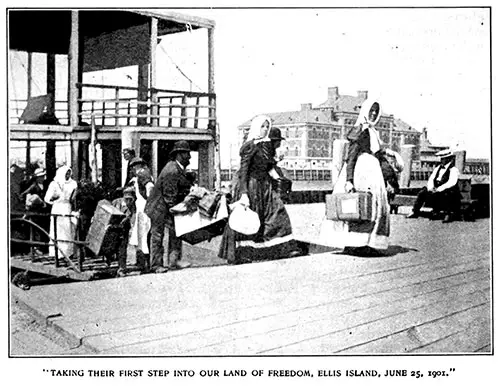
point(179, 18)
point(154, 94)
point(211, 79)
point(154, 159)
point(50, 159)
point(73, 70)
point(142, 93)
point(206, 161)
point(30, 74)
point(75, 160)
point(51, 82)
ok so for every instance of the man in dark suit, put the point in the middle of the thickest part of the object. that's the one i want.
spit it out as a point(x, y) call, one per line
point(171, 188)
point(442, 192)
point(128, 155)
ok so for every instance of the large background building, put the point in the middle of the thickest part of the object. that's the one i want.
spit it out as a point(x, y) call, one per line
point(310, 133)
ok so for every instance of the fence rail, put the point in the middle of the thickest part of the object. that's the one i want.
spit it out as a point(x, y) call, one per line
point(133, 106)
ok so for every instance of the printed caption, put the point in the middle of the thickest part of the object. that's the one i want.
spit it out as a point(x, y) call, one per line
point(251, 373)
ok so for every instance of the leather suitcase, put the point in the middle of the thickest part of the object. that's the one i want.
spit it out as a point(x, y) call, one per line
point(349, 206)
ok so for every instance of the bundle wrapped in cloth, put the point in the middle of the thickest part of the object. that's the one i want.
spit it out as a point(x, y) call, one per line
point(201, 216)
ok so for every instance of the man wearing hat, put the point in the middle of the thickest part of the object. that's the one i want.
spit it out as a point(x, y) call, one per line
point(126, 205)
point(128, 155)
point(170, 188)
point(442, 191)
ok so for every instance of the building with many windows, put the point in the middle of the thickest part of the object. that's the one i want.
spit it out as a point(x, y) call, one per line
point(310, 133)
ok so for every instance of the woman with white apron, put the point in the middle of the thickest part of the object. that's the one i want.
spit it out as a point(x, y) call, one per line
point(59, 195)
point(362, 172)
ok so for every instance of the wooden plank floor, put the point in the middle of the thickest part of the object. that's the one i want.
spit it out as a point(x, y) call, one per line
point(431, 294)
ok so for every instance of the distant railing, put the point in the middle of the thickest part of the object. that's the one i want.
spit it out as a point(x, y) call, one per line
point(131, 106)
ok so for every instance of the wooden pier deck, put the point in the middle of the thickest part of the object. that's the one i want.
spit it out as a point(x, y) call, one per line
point(430, 294)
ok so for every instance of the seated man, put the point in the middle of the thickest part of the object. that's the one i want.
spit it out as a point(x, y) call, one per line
point(441, 193)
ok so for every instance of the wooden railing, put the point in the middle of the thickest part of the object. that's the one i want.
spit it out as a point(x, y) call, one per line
point(131, 106)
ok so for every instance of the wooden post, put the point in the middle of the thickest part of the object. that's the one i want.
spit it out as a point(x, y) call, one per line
point(83, 159)
point(460, 160)
point(93, 150)
point(75, 159)
point(339, 155)
point(117, 106)
point(30, 74)
point(211, 80)
point(407, 155)
point(154, 94)
point(50, 159)
point(183, 112)
point(154, 159)
point(196, 112)
point(142, 93)
point(206, 163)
point(170, 111)
point(73, 70)
point(51, 83)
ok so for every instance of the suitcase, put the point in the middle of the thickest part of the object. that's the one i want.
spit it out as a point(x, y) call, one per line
point(105, 234)
point(349, 206)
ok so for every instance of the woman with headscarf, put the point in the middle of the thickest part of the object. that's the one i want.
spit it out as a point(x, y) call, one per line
point(60, 194)
point(254, 189)
point(362, 172)
point(143, 184)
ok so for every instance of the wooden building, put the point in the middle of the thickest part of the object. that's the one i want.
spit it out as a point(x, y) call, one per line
point(145, 117)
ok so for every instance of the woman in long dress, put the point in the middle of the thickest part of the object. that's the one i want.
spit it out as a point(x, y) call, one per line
point(143, 184)
point(59, 195)
point(254, 189)
point(362, 172)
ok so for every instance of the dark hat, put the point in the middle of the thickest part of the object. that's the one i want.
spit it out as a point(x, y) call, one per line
point(129, 192)
point(136, 160)
point(180, 146)
point(275, 134)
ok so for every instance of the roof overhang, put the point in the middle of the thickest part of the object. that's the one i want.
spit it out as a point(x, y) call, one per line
point(49, 30)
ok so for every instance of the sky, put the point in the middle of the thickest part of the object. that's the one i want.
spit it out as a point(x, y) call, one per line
point(429, 67)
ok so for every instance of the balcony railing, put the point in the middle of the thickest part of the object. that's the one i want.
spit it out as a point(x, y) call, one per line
point(130, 106)
point(113, 106)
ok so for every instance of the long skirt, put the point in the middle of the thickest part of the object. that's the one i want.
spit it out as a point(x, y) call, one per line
point(373, 233)
point(64, 227)
point(274, 238)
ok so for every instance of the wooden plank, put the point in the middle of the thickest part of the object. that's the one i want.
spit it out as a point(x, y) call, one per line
point(330, 282)
point(474, 338)
point(311, 332)
point(294, 301)
point(261, 320)
point(419, 336)
point(326, 341)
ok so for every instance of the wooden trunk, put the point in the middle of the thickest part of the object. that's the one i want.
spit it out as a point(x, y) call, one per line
point(105, 234)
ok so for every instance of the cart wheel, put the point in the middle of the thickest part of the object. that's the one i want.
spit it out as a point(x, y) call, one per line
point(22, 281)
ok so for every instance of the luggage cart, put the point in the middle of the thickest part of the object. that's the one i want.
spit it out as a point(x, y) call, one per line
point(84, 265)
